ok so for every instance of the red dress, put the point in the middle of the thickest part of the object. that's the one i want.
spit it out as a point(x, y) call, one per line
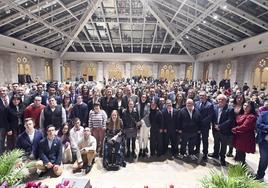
point(244, 135)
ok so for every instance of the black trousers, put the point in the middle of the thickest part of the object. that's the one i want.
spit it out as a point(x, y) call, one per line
point(170, 137)
point(155, 142)
point(220, 144)
point(204, 136)
point(240, 156)
point(133, 145)
point(188, 139)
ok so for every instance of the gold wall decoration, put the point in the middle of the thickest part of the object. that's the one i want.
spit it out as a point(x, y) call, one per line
point(48, 71)
point(90, 70)
point(260, 73)
point(141, 70)
point(115, 71)
point(228, 71)
point(23, 66)
point(66, 72)
point(189, 72)
point(167, 72)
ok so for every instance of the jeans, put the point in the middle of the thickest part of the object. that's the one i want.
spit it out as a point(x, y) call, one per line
point(263, 163)
point(2, 140)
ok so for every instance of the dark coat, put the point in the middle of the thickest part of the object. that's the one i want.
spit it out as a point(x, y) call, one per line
point(187, 124)
point(206, 111)
point(108, 106)
point(23, 142)
point(53, 155)
point(3, 115)
point(81, 112)
point(156, 120)
point(262, 126)
point(227, 120)
point(13, 117)
point(170, 123)
point(244, 135)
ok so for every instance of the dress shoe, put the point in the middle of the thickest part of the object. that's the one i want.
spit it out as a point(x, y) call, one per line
point(128, 154)
point(213, 155)
point(205, 158)
point(77, 170)
point(88, 169)
point(124, 164)
point(223, 162)
point(229, 154)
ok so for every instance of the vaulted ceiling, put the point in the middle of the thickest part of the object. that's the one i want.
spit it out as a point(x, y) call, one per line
point(133, 26)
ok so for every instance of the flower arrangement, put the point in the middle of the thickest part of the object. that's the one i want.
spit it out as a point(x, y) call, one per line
point(237, 176)
point(12, 170)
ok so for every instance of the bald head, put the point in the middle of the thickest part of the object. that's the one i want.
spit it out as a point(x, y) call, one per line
point(190, 104)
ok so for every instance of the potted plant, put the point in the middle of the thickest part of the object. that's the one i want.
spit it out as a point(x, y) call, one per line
point(237, 176)
point(12, 170)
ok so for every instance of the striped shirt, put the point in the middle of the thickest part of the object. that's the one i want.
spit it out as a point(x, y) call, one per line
point(97, 120)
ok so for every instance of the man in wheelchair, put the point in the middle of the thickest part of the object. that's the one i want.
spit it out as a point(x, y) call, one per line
point(114, 147)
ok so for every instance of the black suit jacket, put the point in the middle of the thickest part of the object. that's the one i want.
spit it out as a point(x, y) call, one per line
point(187, 124)
point(3, 115)
point(170, 123)
point(206, 111)
point(108, 106)
point(227, 119)
point(53, 155)
point(23, 142)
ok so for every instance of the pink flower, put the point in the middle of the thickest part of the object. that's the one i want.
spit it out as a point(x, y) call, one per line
point(59, 186)
point(66, 183)
point(4, 185)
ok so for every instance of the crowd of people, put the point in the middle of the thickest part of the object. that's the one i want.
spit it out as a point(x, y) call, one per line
point(56, 123)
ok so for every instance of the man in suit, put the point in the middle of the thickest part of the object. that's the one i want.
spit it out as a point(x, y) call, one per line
point(50, 153)
point(223, 122)
point(26, 99)
point(189, 125)
point(4, 102)
point(80, 110)
point(170, 129)
point(262, 139)
point(206, 111)
point(29, 140)
point(129, 95)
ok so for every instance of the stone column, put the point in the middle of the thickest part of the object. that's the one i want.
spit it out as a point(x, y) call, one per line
point(100, 72)
point(57, 72)
point(234, 72)
point(2, 75)
point(182, 71)
point(128, 70)
point(198, 70)
point(155, 70)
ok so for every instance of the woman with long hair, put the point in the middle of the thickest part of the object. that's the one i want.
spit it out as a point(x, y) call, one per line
point(114, 135)
point(15, 119)
point(244, 132)
point(64, 135)
point(85, 93)
point(130, 119)
point(180, 101)
point(67, 105)
point(238, 102)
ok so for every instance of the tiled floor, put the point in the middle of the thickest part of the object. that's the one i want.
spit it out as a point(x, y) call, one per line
point(160, 173)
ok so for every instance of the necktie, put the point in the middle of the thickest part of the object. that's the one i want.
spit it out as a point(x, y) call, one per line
point(5, 102)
